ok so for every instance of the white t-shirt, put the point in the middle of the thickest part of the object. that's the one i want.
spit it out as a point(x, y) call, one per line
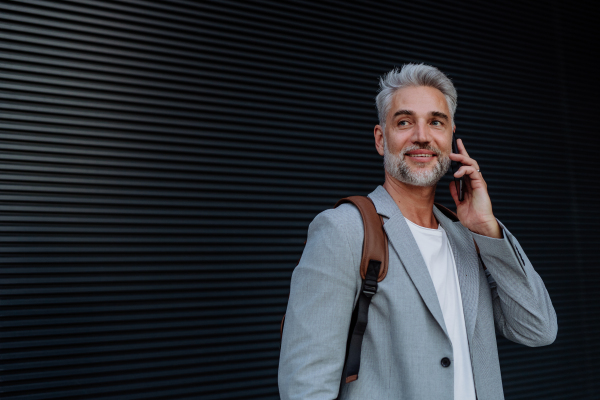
point(439, 259)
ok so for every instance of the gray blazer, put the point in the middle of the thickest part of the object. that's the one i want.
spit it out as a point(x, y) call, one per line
point(406, 336)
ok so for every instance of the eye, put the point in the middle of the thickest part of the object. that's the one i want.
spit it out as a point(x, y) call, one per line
point(403, 123)
point(437, 123)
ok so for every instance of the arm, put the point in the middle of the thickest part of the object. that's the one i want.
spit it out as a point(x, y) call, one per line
point(323, 291)
point(523, 311)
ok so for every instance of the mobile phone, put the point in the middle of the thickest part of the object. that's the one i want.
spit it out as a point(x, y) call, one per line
point(459, 182)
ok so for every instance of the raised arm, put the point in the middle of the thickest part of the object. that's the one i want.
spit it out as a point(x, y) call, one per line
point(324, 288)
point(523, 311)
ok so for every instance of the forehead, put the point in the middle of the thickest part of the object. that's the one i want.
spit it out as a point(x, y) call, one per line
point(420, 100)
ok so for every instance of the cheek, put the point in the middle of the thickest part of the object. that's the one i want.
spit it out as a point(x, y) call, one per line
point(446, 149)
point(445, 144)
point(397, 142)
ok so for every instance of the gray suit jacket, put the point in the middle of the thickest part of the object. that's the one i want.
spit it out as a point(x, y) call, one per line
point(406, 336)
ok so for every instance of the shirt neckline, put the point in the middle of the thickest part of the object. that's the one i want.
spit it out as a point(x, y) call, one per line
point(429, 230)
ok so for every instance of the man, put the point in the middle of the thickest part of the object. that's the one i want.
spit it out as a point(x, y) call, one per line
point(430, 332)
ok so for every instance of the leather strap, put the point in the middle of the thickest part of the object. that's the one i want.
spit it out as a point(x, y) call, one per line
point(447, 212)
point(454, 218)
point(375, 247)
point(375, 244)
point(373, 269)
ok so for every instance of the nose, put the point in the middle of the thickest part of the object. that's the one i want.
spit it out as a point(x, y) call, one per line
point(421, 133)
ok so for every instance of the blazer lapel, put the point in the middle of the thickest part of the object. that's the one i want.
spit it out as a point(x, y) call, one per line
point(467, 267)
point(402, 240)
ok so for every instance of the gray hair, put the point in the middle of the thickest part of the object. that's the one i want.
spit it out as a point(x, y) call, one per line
point(413, 75)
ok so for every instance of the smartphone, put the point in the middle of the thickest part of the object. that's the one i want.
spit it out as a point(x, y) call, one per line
point(459, 182)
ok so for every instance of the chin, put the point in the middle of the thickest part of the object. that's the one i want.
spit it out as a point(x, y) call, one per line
point(420, 168)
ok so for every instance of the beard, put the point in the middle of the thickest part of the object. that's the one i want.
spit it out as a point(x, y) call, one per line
point(398, 168)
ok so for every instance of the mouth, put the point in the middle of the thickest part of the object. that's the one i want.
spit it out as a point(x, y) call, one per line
point(421, 156)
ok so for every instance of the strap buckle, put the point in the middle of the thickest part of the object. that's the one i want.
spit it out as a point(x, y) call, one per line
point(369, 288)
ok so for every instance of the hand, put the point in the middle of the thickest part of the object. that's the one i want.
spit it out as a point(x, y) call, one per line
point(475, 211)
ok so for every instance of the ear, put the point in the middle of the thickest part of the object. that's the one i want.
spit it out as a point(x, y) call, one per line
point(378, 134)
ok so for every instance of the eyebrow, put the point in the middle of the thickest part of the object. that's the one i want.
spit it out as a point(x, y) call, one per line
point(403, 112)
point(438, 114)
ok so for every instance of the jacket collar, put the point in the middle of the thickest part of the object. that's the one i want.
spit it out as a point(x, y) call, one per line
point(403, 242)
point(384, 204)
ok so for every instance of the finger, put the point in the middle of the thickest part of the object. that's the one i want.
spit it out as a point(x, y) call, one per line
point(461, 147)
point(454, 193)
point(467, 170)
point(464, 160)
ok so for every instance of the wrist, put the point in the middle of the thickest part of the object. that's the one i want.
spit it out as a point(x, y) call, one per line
point(490, 229)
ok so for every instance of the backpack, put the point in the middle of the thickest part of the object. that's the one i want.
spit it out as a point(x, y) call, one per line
point(373, 269)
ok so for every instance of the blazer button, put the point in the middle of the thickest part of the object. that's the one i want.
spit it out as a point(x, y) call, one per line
point(446, 362)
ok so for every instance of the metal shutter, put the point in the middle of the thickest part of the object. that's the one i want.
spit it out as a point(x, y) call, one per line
point(161, 162)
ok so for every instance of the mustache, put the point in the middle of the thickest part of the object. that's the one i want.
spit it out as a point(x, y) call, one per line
point(421, 147)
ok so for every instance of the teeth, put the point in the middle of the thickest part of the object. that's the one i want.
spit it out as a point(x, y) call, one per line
point(421, 155)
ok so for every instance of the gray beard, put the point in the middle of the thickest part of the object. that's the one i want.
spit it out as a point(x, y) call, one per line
point(397, 167)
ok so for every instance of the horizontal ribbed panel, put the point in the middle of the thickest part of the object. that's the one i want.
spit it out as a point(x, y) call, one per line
point(161, 162)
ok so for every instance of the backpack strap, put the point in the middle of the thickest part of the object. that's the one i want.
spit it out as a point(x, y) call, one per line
point(373, 269)
point(454, 218)
point(447, 212)
point(375, 244)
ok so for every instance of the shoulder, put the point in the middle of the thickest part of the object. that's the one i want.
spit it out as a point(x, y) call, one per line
point(344, 220)
point(336, 234)
point(332, 252)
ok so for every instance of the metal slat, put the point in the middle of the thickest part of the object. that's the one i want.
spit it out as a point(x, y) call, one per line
point(232, 21)
point(161, 162)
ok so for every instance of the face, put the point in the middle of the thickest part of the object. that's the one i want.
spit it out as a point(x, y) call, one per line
point(417, 137)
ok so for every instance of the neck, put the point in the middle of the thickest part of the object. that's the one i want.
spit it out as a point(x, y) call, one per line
point(415, 202)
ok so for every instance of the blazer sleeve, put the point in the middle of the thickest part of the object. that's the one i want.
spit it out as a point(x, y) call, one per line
point(523, 311)
point(323, 291)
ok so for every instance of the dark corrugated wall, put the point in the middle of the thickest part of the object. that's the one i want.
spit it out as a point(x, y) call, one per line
point(161, 162)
